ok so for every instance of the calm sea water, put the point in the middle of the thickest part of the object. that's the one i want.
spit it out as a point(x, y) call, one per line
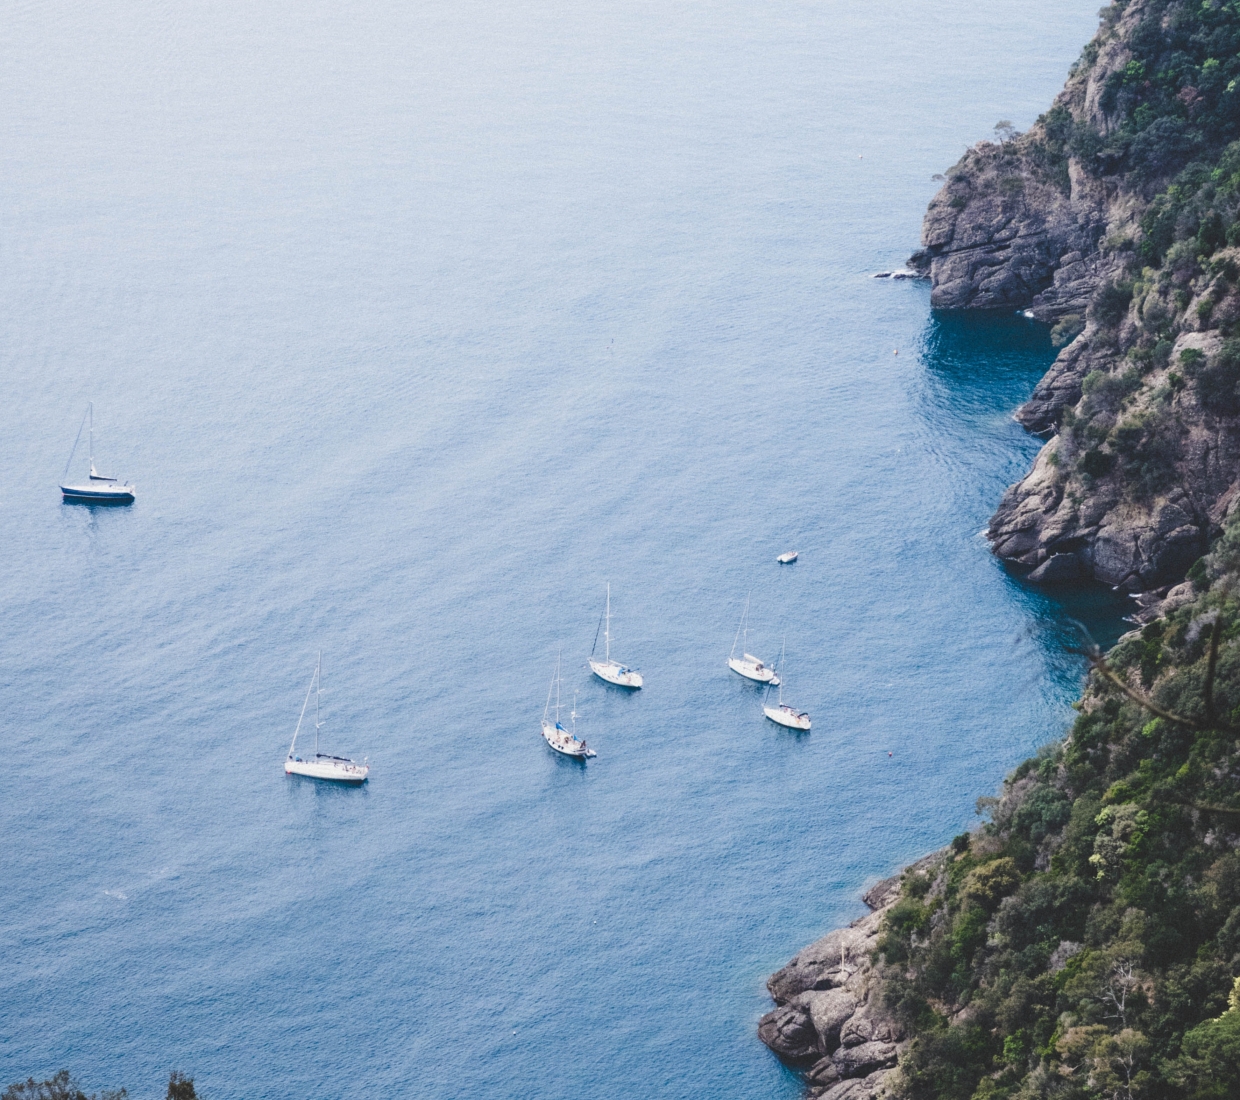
point(415, 324)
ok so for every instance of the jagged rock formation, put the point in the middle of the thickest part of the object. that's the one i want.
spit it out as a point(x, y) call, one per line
point(1019, 223)
point(1074, 221)
point(831, 1018)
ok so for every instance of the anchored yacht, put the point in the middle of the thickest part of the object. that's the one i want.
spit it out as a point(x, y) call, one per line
point(748, 665)
point(607, 669)
point(97, 489)
point(782, 713)
point(322, 765)
point(565, 742)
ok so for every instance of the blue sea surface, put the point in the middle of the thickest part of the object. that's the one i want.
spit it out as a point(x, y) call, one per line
point(416, 324)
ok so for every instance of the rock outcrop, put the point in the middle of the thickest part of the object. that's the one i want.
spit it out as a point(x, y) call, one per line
point(830, 1020)
point(1142, 407)
point(1019, 222)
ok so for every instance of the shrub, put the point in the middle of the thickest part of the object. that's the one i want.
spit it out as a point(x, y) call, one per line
point(1097, 463)
point(1067, 329)
point(1110, 303)
point(1218, 382)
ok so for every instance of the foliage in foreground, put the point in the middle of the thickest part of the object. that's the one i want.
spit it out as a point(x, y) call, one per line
point(62, 1086)
point(1085, 943)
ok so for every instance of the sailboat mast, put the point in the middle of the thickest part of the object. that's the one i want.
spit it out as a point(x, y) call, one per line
point(318, 691)
point(780, 670)
point(607, 632)
point(550, 687)
point(301, 716)
point(92, 439)
point(558, 681)
point(739, 627)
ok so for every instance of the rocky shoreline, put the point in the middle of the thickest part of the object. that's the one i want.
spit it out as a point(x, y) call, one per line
point(1075, 223)
point(830, 1019)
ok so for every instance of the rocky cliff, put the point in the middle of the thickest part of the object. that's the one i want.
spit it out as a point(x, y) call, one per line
point(1115, 218)
point(831, 1018)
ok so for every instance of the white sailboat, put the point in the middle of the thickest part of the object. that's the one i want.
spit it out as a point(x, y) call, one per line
point(97, 489)
point(607, 669)
point(321, 765)
point(783, 714)
point(563, 741)
point(748, 665)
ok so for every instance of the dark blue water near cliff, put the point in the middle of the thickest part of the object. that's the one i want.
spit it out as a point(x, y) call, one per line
point(415, 325)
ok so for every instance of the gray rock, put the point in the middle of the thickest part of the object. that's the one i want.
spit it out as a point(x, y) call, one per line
point(866, 1027)
point(1059, 569)
point(848, 1062)
point(829, 1010)
point(858, 1088)
point(789, 1032)
point(825, 964)
point(1060, 387)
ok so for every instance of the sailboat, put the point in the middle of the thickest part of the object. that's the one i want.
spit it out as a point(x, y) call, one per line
point(98, 489)
point(563, 741)
point(783, 714)
point(321, 765)
point(607, 669)
point(748, 665)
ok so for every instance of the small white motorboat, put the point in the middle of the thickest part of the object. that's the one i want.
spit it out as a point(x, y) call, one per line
point(97, 489)
point(788, 558)
point(607, 669)
point(563, 741)
point(748, 665)
point(783, 714)
point(338, 769)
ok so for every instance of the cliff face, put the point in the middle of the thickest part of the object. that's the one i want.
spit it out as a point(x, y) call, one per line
point(1019, 223)
point(831, 1017)
point(1114, 217)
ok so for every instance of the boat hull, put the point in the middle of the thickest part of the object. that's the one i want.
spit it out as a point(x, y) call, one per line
point(788, 558)
point(617, 674)
point(331, 771)
point(785, 716)
point(91, 495)
point(564, 742)
point(753, 669)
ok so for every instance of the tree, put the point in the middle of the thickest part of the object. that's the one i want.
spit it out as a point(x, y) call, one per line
point(58, 1087)
point(1004, 131)
point(181, 1087)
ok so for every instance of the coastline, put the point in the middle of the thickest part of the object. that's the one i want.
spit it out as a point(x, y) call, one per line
point(829, 1018)
point(1109, 221)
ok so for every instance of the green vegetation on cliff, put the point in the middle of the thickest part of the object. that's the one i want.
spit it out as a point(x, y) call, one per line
point(1175, 98)
point(1085, 943)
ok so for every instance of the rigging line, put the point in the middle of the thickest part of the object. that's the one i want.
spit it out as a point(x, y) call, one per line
point(303, 714)
point(597, 629)
point(744, 616)
point(76, 441)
